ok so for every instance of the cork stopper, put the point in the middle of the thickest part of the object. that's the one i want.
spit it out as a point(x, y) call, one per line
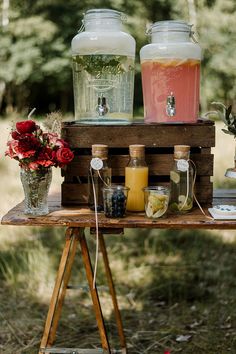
point(137, 150)
point(181, 152)
point(100, 150)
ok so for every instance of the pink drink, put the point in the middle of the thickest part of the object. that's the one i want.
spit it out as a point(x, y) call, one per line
point(162, 77)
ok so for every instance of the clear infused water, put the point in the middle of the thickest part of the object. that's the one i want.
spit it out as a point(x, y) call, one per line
point(103, 88)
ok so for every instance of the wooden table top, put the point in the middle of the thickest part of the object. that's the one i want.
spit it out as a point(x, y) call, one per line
point(83, 217)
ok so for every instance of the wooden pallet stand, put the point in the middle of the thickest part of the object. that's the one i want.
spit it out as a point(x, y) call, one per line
point(159, 140)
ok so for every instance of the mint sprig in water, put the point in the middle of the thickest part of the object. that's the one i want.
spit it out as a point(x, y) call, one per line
point(101, 64)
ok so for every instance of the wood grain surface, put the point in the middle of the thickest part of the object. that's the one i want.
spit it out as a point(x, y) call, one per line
point(83, 217)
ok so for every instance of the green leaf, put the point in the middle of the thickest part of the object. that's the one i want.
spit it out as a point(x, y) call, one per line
point(227, 132)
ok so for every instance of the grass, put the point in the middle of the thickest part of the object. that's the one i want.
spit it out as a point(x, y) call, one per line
point(169, 283)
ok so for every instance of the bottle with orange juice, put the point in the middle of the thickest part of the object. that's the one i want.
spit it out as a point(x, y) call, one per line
point(136, 177)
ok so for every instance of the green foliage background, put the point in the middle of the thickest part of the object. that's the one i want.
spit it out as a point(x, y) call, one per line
point(35, 36)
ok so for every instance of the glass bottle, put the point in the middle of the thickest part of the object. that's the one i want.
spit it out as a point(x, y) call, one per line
point(101, 178)
point(103, 69)
point(136, 178)
point(181, 180)
point(170, 67)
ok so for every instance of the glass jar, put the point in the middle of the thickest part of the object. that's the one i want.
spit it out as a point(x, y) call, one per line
point(170, 67)
point(103, 69)
point(181, 181)
point(98, 178)
point(36, 186)
point(115, 198)
point(156, 201)
point(136, 178)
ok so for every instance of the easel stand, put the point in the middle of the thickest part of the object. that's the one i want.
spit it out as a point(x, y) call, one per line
point(74, 236)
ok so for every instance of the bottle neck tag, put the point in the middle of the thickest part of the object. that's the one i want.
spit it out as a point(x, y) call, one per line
point(182, 165)
point(96, 163)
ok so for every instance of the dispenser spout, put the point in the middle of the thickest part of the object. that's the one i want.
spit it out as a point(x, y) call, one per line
point(102, 107)
point(170, 105)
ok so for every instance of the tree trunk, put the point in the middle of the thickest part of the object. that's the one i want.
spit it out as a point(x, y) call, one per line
point(5, 12)
point(192, 12)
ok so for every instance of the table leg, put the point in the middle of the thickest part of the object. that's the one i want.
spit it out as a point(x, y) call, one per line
point(113, 293)
point(94, 294)
point(59, 291)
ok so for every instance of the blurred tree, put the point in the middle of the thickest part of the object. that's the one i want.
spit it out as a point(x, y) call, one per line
point(35, 41)
point(216, 23)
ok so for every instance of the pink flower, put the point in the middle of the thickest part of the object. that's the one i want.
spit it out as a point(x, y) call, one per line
point(33, 165)
point(60, 143)
point(26, 126)
point(51, 138)
point(45, 163)
point(12, 150)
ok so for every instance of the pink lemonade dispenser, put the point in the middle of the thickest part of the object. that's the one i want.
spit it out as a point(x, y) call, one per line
point(170, 67)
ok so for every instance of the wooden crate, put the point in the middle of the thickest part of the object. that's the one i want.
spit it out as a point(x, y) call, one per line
point(159, 140)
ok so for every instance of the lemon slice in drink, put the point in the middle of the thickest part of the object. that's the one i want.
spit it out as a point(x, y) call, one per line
point(175, 177)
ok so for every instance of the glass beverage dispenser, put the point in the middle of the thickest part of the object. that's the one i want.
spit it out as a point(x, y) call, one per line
point(103, 69)
point(170, 67)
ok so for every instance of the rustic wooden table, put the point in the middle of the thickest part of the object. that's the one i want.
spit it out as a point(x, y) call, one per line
point(75, 219)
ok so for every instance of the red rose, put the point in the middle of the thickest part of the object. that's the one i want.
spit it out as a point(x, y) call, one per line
point(15, 135)
point(64, 156)
point(28, 142)
point(26, 126)
point(46, 157)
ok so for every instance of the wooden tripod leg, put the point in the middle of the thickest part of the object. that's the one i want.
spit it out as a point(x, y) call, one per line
point(112, 292)
point(55, 310)
point(66, 279)
point(94, 293)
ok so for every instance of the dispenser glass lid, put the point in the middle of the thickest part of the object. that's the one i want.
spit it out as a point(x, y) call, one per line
point(170, 26)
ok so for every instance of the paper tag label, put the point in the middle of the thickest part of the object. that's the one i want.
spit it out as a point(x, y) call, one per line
point(96, 163)
point(182, 165)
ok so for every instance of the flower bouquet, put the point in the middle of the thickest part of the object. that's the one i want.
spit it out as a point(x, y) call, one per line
point(37, 152)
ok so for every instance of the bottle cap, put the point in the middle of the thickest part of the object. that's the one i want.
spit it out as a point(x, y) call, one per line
point(181, 152)
point(100, 150)
point(137, 150)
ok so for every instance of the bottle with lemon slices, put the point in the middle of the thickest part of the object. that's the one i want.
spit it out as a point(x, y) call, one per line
point(181, 180)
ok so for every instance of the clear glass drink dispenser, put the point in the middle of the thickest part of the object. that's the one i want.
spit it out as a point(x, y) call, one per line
point(170, 67)
point(103, 69)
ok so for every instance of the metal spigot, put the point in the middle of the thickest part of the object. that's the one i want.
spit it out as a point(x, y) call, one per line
point(102, 107)
point(170, 105)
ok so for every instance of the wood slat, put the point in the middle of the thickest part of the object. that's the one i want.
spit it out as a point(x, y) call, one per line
point(77, 194)
point(158, 165)
point(151, 135)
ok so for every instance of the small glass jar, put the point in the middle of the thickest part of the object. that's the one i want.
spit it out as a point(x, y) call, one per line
point(103, 58)
point(114, 199)
point(156, 201)
point(170, 67)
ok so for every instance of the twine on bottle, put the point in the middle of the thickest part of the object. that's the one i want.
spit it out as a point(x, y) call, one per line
point(96, 223)
point(194, 195)
point(97, 233)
